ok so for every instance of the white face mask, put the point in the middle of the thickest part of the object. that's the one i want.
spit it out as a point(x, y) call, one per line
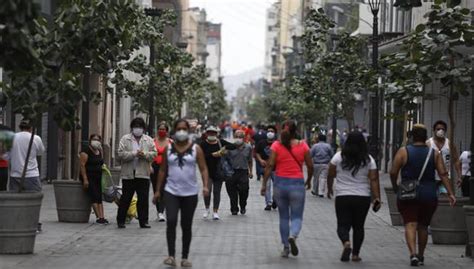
point(239, 141)
point(96, 144)
point(440, 133)
point(137, 132)
point(212, 138)
point(181, 135)
point(271, 135)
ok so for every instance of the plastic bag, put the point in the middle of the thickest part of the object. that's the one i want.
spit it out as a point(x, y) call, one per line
point(132, 210)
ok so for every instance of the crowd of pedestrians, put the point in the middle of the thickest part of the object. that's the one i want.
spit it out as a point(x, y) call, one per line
point(420, 173)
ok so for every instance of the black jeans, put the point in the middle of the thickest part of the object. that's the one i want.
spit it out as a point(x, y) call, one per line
point(3, 178)
point(465, 186)
point(160, 205)
point(129, 187)
point(215, 187)
point(174, 204)
point(351, 212)
point(238, 189)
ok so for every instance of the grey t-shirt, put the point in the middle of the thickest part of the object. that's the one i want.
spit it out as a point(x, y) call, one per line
point(240, 157)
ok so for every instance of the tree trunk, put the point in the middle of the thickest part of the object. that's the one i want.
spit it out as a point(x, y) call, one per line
point(451, 133)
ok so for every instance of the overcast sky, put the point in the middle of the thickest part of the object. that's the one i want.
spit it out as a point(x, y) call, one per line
point(243, 31)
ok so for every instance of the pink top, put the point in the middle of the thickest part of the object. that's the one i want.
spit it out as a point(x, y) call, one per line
point(286, 165)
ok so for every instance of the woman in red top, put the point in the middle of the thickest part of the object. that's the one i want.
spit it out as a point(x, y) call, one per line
point(161, 142)
point(288, 155)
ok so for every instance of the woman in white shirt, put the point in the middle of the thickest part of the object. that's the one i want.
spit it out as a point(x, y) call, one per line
point(357, 178)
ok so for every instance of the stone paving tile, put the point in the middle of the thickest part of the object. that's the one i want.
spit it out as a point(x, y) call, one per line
point(249, 241)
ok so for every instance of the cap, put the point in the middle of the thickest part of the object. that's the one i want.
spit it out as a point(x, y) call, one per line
point(212, 129)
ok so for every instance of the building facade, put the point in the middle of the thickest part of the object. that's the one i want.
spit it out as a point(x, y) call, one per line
point(214, 49)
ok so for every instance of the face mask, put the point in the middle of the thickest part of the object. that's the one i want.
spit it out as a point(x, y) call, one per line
point(162, 133)
point(440, 133)
point(137, 132)
point(212, 138)
point(96, 144)
point(239, 141)
point(271, 135)
point(181, 135)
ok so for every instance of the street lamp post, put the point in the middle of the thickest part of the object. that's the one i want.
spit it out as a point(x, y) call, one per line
point(374, 133)
point(152, 12)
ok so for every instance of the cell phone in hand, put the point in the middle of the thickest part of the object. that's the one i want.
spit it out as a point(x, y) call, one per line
point(376, 206)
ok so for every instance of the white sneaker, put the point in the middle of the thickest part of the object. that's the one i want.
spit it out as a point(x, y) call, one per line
point(215, 216)
point(206, 214)
point(161, 217)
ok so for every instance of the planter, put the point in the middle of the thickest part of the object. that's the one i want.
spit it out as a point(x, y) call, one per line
point(20, 216)
point(395, 216)
point(469, 215)
point(448, 226)
point(72, 202)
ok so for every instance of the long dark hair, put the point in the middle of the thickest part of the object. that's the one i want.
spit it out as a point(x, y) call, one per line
point(288, 132)
point(355, 153)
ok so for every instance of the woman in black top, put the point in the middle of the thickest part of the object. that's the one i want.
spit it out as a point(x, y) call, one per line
point(91, 174)
point(211, 147)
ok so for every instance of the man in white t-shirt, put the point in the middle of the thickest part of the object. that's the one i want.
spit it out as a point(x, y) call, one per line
point(18, 153)
point(465, 163)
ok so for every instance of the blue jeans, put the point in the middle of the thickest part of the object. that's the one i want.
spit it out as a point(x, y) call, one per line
point(289, 194)
point(268, 193)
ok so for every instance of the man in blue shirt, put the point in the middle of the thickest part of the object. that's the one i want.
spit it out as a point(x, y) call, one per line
point(321, 153)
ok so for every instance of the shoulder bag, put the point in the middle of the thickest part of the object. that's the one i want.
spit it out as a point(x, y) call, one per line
point(408, 187)
point(224, 168)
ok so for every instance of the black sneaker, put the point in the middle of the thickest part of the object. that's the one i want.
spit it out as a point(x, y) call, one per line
point(243, 211)
point(100, 221)
point(274, 205)
point(234, 213)
point(313, 193)
point(414, 261)
point(268, 208)
point(293, 248)
point(106, 221)
point(421, 260)
point(145, 226)
point(121, 225)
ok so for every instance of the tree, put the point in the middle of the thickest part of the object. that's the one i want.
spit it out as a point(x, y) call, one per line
point(432, 54)
point(338, 71)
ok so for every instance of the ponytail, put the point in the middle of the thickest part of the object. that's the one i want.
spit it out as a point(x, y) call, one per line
point(288, 133)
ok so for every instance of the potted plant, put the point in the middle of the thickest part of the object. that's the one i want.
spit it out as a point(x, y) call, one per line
point(92, 37)
point(433, 54)
point(20, 209)
point(395, 216)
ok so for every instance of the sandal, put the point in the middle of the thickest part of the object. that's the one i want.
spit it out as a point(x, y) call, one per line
point(186, 263)
point(356, 258)
point(170, 261)
point(346, 253)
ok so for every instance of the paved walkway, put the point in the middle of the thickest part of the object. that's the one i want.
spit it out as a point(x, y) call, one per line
point(250, 241)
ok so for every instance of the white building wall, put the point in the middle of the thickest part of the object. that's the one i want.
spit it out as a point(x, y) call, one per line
point(213, 59)
point(271, 39)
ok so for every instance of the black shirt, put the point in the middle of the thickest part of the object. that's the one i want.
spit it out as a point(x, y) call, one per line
point(263, 148)
point(94, 162)
point(212, 161)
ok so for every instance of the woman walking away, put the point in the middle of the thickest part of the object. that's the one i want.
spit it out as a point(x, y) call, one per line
point(288, 155)
point(161, 142)
point(213, 148)
point(91, 175)
point(356, 179)
point(178, 173)
point(418, 164)
point(136, 152)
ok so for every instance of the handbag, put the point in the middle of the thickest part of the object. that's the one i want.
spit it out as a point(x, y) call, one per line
point(224, 168)
point(407, 188)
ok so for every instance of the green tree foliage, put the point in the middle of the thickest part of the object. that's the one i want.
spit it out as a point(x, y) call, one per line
point(338, 68)
point(432, 54)
point(85, 36)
